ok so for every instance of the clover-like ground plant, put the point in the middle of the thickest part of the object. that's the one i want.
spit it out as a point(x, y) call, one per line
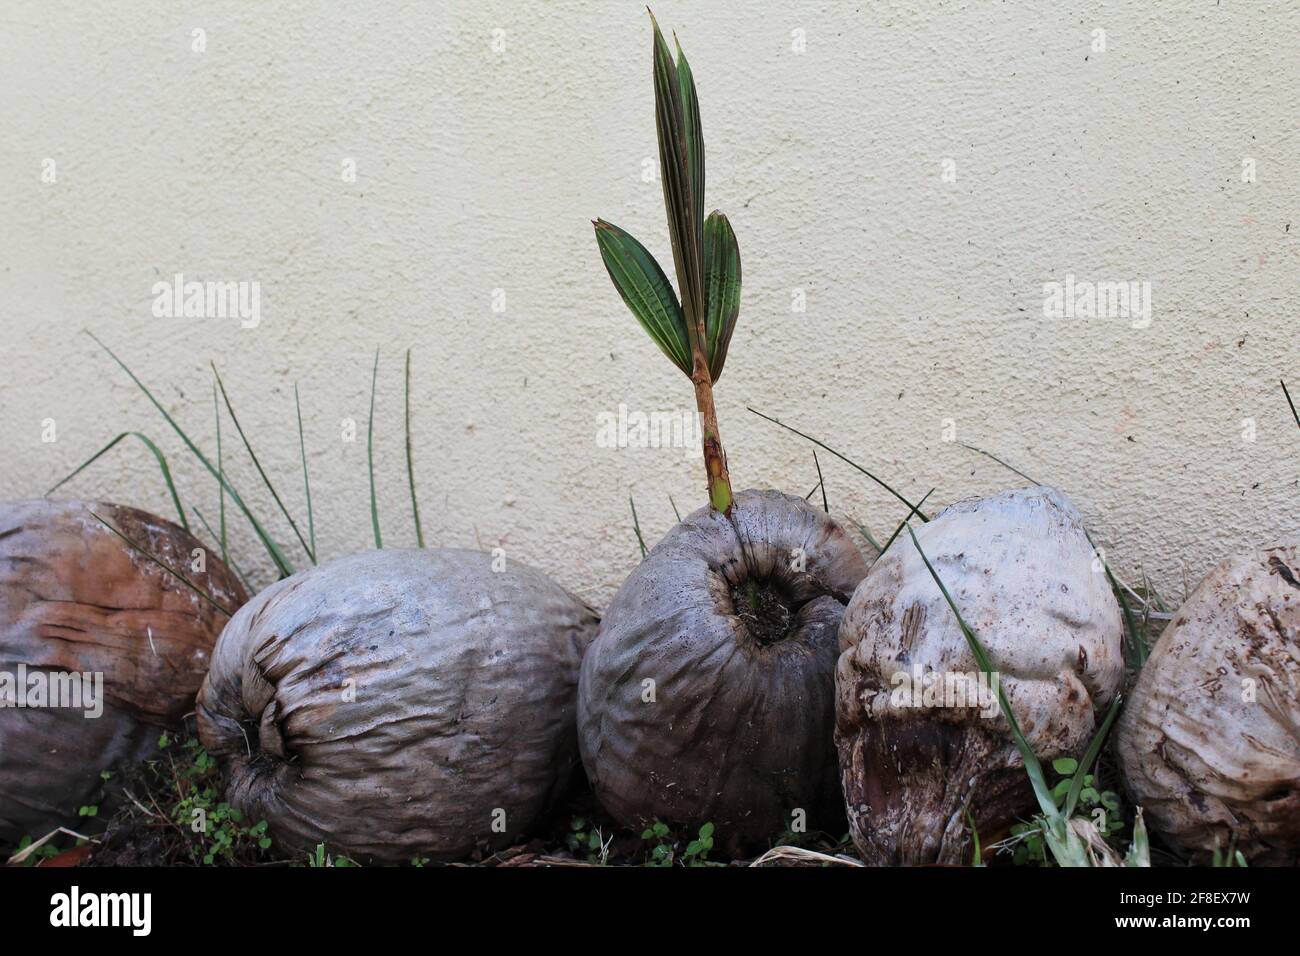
point(709, 693)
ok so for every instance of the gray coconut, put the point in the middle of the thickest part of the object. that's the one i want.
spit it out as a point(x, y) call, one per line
point(77, 599)
point(1019, 566)
point(399, 703)
point(1209, 742)
point(709, 696)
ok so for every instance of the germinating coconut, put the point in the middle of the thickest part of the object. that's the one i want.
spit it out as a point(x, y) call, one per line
point(399, 703)
point(100, 651)
point(1209, 742)
point(709, 695)
point(918, 727)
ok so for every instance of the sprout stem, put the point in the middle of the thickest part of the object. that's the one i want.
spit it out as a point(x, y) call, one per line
point(715, 459)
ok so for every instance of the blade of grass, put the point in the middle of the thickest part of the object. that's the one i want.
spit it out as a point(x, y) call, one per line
point(1139, 853)
point(1138, 650)
point(636, 525)
point(677, 513)
point(281, 563)
point(162, 464)
point(862, 530)
point(221, 471)
point(306, 482)
point(370, 454)
point(820, 444)
point(821, 483)
point(1294, 413)
point(1089, 758)
point(410, 460)
point(229, 560)
point(230, 409)
point(176, 574)
point(989, 454)
point(903, 524)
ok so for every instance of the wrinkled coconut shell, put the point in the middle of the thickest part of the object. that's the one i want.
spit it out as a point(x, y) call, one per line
point(1209, 742)
point(394, 704)
point(1020, 568)
point(738, 732)
point(74, 597)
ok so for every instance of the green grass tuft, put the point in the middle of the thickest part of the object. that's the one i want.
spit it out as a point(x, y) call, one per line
point(272, 548)
point(154, 450)
point(230, 409)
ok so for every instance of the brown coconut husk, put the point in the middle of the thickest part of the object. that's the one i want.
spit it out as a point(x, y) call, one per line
point(77, 598)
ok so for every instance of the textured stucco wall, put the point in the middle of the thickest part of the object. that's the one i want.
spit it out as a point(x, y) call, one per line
point(478, 169)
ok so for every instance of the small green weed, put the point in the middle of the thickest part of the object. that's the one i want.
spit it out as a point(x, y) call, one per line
point(667, 848)
point(218, 830)
point(320, 858)
point(585, 840)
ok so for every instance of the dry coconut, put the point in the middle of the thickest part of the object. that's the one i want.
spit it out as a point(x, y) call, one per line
point(709, 695)
point(100, 650)
point(397, 704)
point(921, 738)
point(1209, 742)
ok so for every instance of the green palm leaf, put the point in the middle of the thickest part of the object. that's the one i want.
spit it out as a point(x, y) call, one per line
point(694, 136)
point(721, 289)
point(679, 192)
point(646, 290)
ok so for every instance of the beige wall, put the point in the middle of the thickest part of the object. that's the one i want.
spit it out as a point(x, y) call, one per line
point(478, 170)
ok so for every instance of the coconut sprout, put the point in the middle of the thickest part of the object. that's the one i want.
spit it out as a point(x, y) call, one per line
point(708, 693)
point(695, 331)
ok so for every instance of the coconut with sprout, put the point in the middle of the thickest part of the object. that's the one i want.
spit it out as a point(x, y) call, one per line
point(101, 649)
point(708, 695)
point(921, 739)
point(399, 703)
point(1209, 742)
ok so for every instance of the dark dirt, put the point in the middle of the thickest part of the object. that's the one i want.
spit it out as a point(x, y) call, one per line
point(764, 610)
point(131, 842)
